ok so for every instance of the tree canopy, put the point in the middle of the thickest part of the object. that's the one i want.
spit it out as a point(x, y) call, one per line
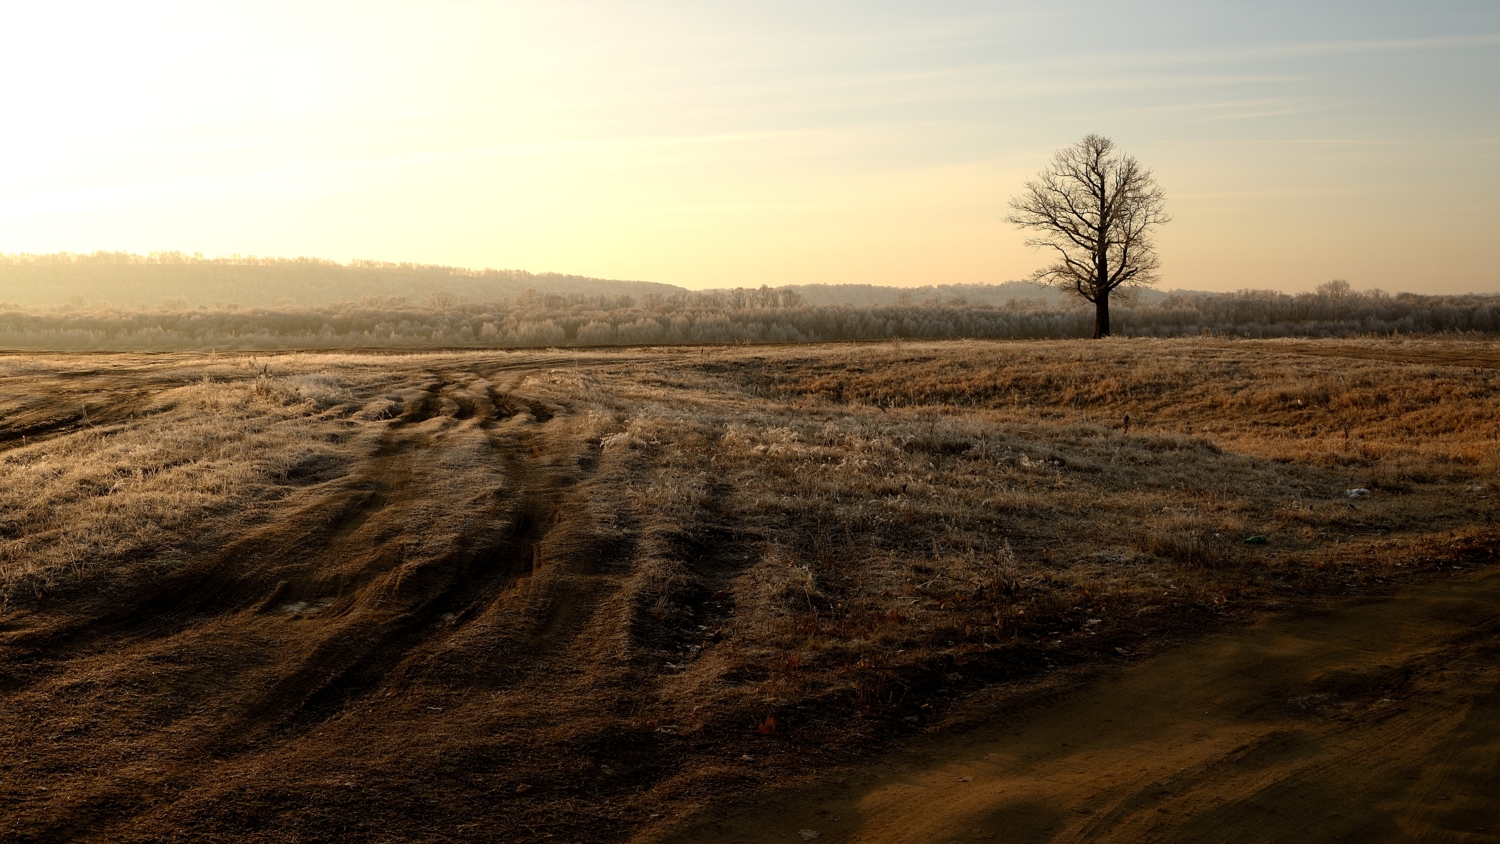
point(1095, 210)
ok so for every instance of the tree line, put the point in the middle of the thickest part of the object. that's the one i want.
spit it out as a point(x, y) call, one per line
point(129, 279)
point(741, 315)
point(189, 280)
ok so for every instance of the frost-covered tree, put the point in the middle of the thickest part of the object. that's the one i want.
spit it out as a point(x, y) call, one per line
point(1095, 210)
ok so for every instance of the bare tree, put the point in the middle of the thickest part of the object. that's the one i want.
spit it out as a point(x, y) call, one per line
point(1096, 211)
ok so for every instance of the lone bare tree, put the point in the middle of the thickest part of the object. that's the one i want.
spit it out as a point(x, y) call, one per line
point(1096, 211)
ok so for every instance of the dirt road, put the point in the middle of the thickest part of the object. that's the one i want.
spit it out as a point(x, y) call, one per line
point(1376, 721)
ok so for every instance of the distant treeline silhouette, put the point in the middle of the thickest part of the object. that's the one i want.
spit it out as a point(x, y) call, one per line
point(764, 315)
point(181, 280)
point(124, 278)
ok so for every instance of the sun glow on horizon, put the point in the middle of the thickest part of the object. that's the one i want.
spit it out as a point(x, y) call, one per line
point(706, 146)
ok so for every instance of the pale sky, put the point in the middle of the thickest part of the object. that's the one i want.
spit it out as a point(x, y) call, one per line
point(716, 144)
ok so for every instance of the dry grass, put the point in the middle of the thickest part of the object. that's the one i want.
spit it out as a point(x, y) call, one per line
point(104, 469)
point(595, 574)
point(905, 509)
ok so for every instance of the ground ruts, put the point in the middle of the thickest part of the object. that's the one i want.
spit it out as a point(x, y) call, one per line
point(366, 664)
point(490, 616)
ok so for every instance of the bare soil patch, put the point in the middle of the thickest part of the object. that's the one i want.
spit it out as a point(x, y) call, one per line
point(1377, 720)
point(575, 596)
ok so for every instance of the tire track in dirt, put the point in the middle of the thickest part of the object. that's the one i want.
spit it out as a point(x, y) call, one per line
point(224, 583)
point(350, 597)
point(460, 584)
point(28, 417)
point(535, 618)
point(402, 606)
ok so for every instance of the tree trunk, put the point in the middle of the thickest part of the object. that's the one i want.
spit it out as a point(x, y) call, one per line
point(1101, 315)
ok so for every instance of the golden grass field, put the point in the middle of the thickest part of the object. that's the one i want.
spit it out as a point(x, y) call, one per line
point(580, 595)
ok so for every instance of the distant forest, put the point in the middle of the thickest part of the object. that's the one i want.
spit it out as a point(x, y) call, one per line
point(113, 301)
point(180, 281)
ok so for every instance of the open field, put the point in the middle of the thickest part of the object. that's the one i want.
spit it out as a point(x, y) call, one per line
point(575, 596)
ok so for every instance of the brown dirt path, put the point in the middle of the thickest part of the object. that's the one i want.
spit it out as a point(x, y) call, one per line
point(1373, 721)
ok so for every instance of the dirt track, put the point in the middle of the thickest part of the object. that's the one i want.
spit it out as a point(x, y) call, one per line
point(1375, 721)
point(394, 602)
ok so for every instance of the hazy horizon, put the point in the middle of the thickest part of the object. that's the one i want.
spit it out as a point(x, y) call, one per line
point(75, 273)
point(780, 145)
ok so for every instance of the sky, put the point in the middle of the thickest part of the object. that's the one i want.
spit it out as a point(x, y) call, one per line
point(712, 144)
